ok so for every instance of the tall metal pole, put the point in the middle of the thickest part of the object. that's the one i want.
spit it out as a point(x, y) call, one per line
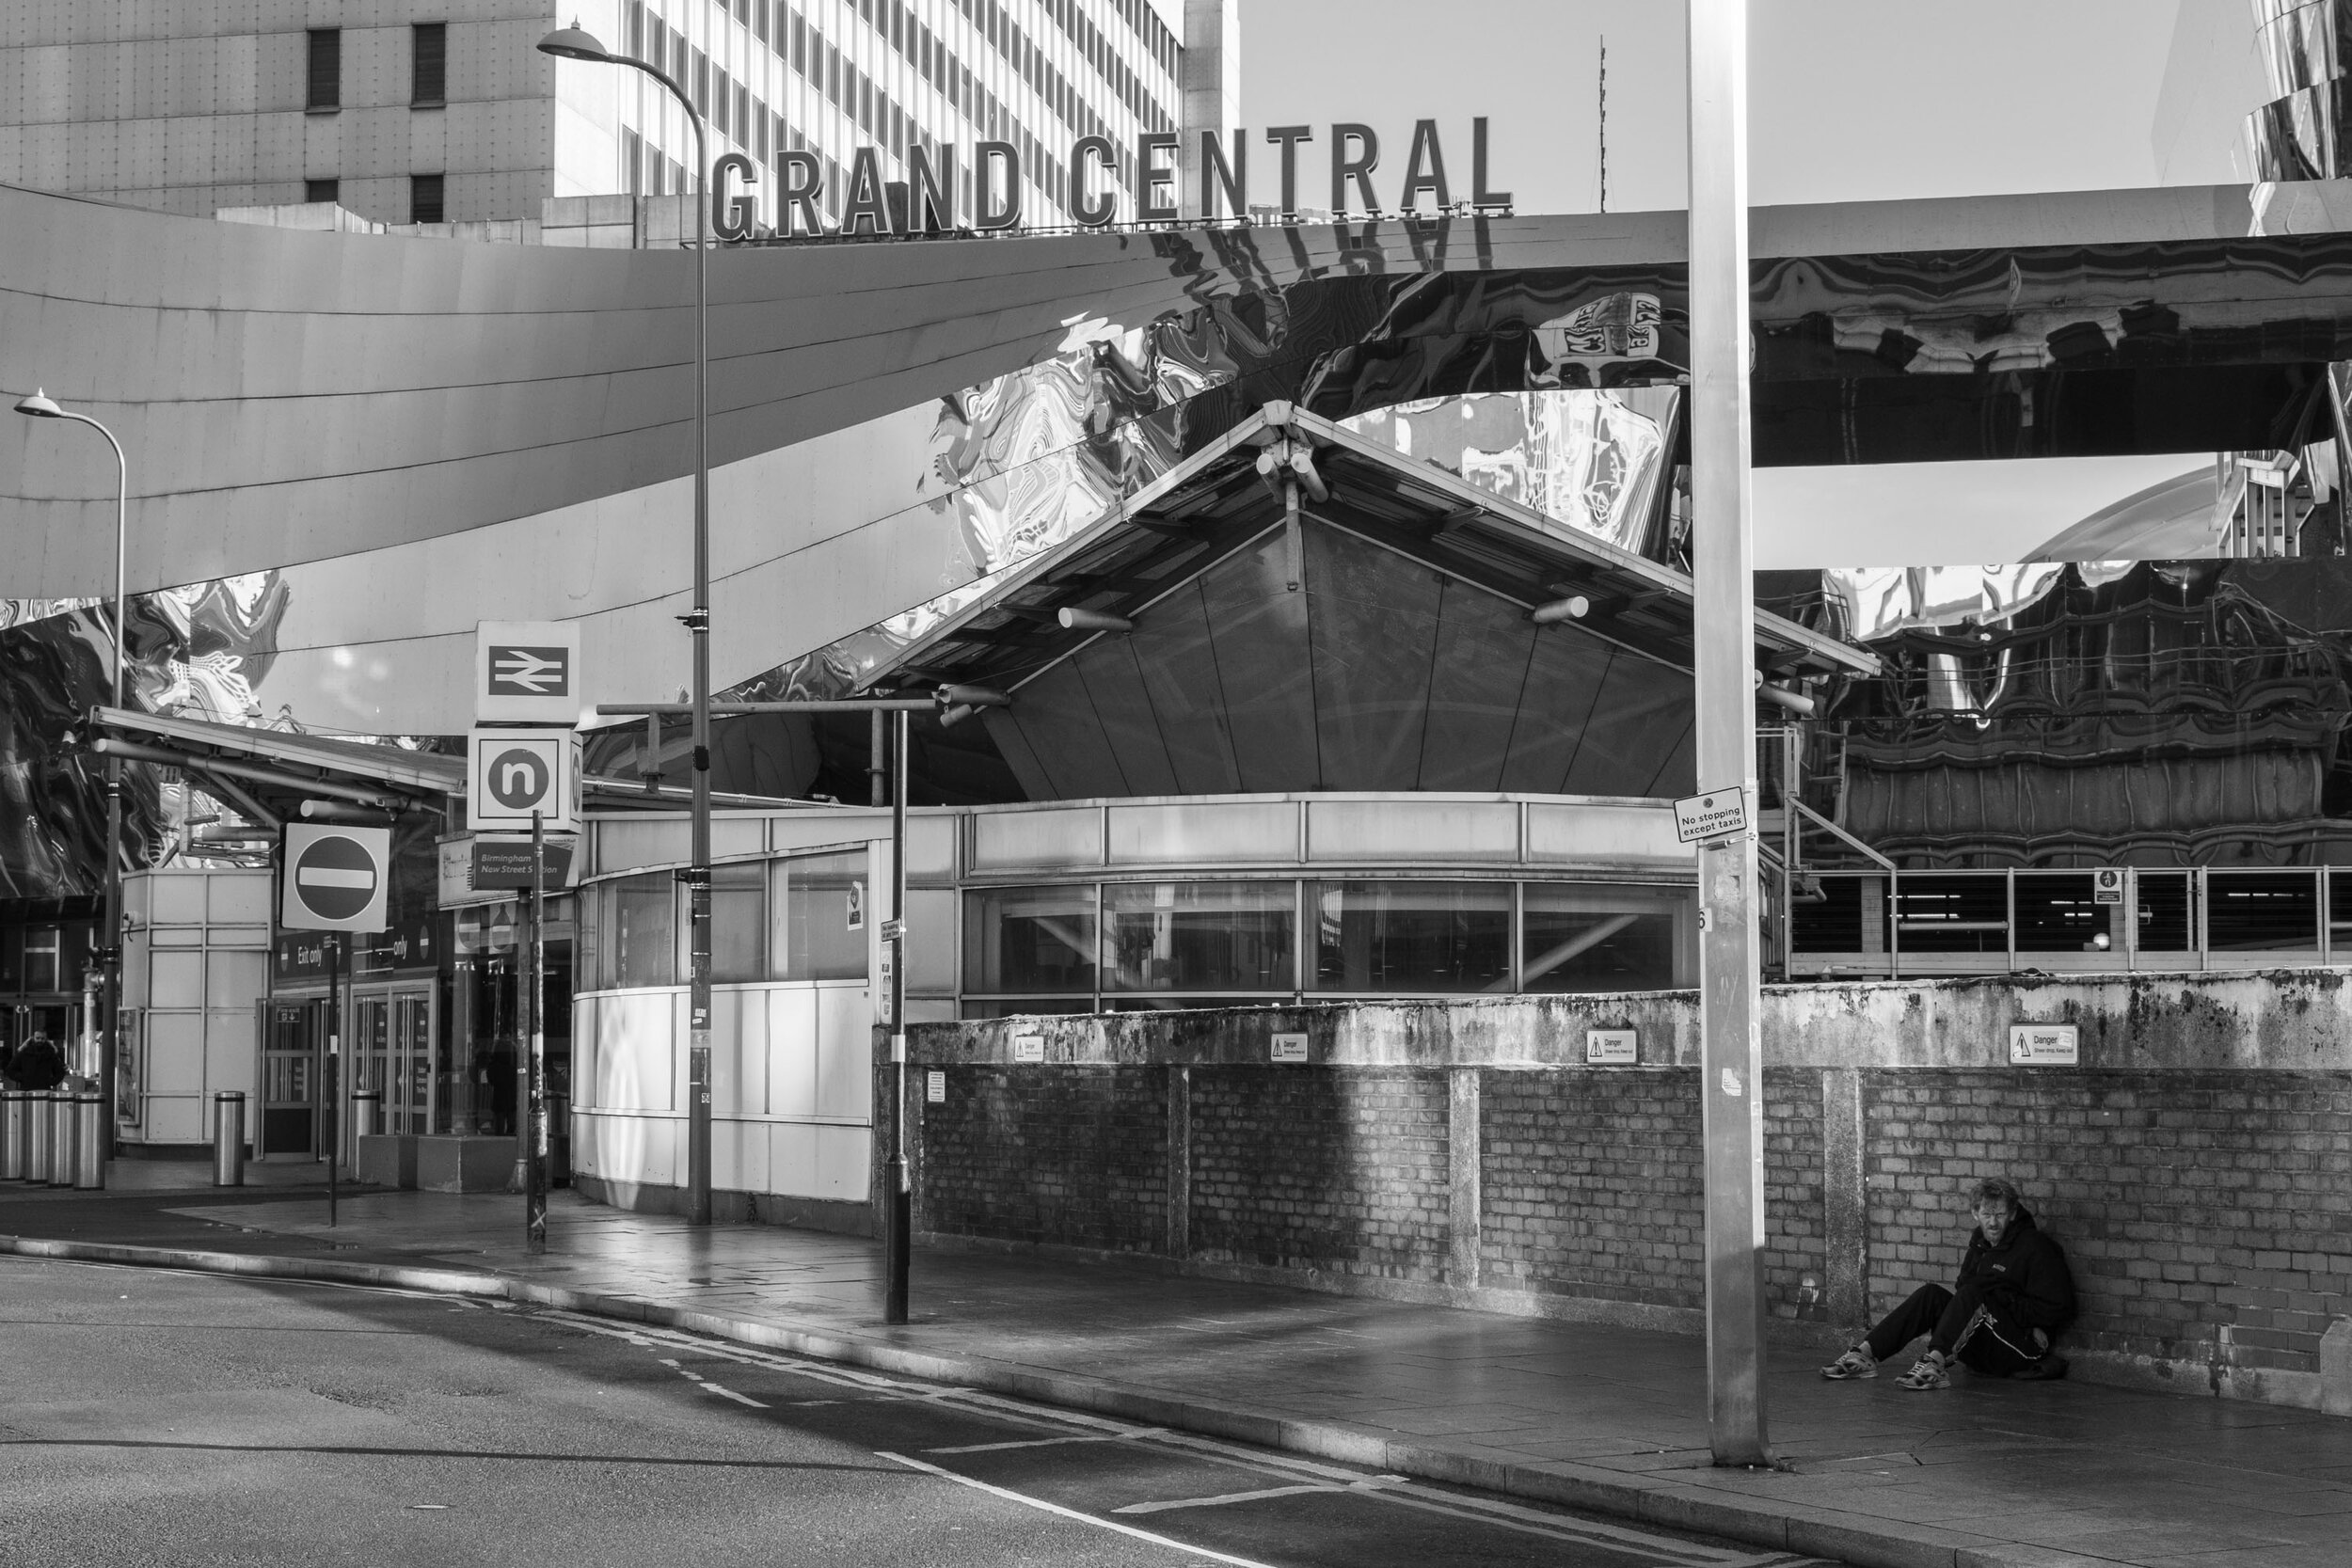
point(40, 406)
point(535, 1036)
point(899, 1212)
point(1731, 1054)
point(698, 621)
point(575, 45)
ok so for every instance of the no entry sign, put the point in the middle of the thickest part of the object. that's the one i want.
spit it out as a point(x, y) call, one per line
point(334, 878)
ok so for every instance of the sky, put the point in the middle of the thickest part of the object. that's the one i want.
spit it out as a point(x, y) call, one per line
point(1849, 100)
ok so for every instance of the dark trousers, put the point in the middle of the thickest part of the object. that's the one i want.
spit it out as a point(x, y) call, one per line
point(1963, 1327)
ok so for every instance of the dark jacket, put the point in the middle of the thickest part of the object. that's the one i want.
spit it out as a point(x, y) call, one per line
point(2024, 1279)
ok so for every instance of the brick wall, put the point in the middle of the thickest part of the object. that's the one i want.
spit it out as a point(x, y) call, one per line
point(2197, 1166)
point(1082, 1164)
point(1590, 1184)
point(2207, 1215)
point(1340, 1172)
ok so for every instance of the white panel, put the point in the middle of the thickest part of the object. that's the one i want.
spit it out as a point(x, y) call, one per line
point(1595, 832)
point(792, 1051)
point(726, 1014)
point(235, 979)
point(931, 944)
point(792, 1159)
point(1412, 829)
point(827, 828)
point(844, 1161)
point(746, 1143)
point(634, 1047)
point(176, 979)
point(173, 1119)
point(1068, 836)
point(587, 1139)
point(743, 1055)
point(681, 1055)
point(728, 1141)
point(584, 1011)
point(931, 846)
point(178, 899)
point(845, 1054)
point(176, 936)
point(175, 1054)
point(661, 1158)
point(1226, 831)
point(228, 1051)
point(926, 1009)
point(622, 846)
point(731, 836)
point(239, 898)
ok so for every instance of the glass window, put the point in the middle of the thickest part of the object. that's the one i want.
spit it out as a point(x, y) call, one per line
point(1961, 912)
point(2057, 912)
point(2257, 910)
point(325, 85)
point(1198, 936)
point(1029, 939)
point(430, 57)
point(1598, 939)
point(817, 910)
point(1412, 937)
point(642, 949)
point(2164, 911)
point(738, 922)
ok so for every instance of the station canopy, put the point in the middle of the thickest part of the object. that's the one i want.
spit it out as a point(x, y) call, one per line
point(1382, 638)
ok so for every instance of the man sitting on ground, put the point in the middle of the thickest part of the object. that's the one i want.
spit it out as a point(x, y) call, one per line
point(2013, 1298)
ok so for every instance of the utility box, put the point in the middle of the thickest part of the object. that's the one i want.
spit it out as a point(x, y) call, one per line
point(195, 962)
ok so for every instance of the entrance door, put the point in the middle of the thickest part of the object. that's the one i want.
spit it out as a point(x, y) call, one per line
point(290, 1076)
point(408, 1094)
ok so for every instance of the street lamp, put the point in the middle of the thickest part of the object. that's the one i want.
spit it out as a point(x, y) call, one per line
point(572, 43)
point(40, 406)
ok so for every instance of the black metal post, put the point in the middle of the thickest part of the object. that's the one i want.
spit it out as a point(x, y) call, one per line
point(329, 1088)
point(535, 1032)
point(898, 1213)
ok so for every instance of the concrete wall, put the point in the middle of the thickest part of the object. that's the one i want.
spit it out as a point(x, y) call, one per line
point(2197, 1163)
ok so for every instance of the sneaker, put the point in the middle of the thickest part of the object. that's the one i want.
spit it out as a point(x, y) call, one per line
point(1855, 1363)
point(1927, 1373)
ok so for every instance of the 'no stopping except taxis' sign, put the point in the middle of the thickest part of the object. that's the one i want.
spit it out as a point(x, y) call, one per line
point(334, 878)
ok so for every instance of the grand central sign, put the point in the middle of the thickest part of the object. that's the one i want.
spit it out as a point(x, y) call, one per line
point(925, 202)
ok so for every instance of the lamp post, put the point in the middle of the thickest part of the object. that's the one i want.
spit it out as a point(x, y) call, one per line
point(40, 406)
point(572, 43)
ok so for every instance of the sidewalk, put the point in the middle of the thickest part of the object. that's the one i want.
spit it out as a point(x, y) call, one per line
point(2032, 1475)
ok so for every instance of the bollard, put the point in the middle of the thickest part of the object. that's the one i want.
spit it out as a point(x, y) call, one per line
point(36, 1132)
point(11, 1135)
point(89, 1162)
point(229, 1138)
point(63, 1144)
point(367, 1120)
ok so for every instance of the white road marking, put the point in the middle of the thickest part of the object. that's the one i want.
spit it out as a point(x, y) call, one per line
point(1051, 1442)
point(704, 1383)
point(1071, 1513)
point(1228, 1498)
point(1424, 1498)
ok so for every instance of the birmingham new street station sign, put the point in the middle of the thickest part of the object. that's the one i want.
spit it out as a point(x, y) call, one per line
point(925, 202)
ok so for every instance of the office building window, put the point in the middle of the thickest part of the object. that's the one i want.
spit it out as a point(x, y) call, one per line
point(429, 55)
point(425, 198)
point(326, 90)
point(322, 190)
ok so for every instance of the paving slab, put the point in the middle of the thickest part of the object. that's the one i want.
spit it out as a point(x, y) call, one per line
point(1985, 1475)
